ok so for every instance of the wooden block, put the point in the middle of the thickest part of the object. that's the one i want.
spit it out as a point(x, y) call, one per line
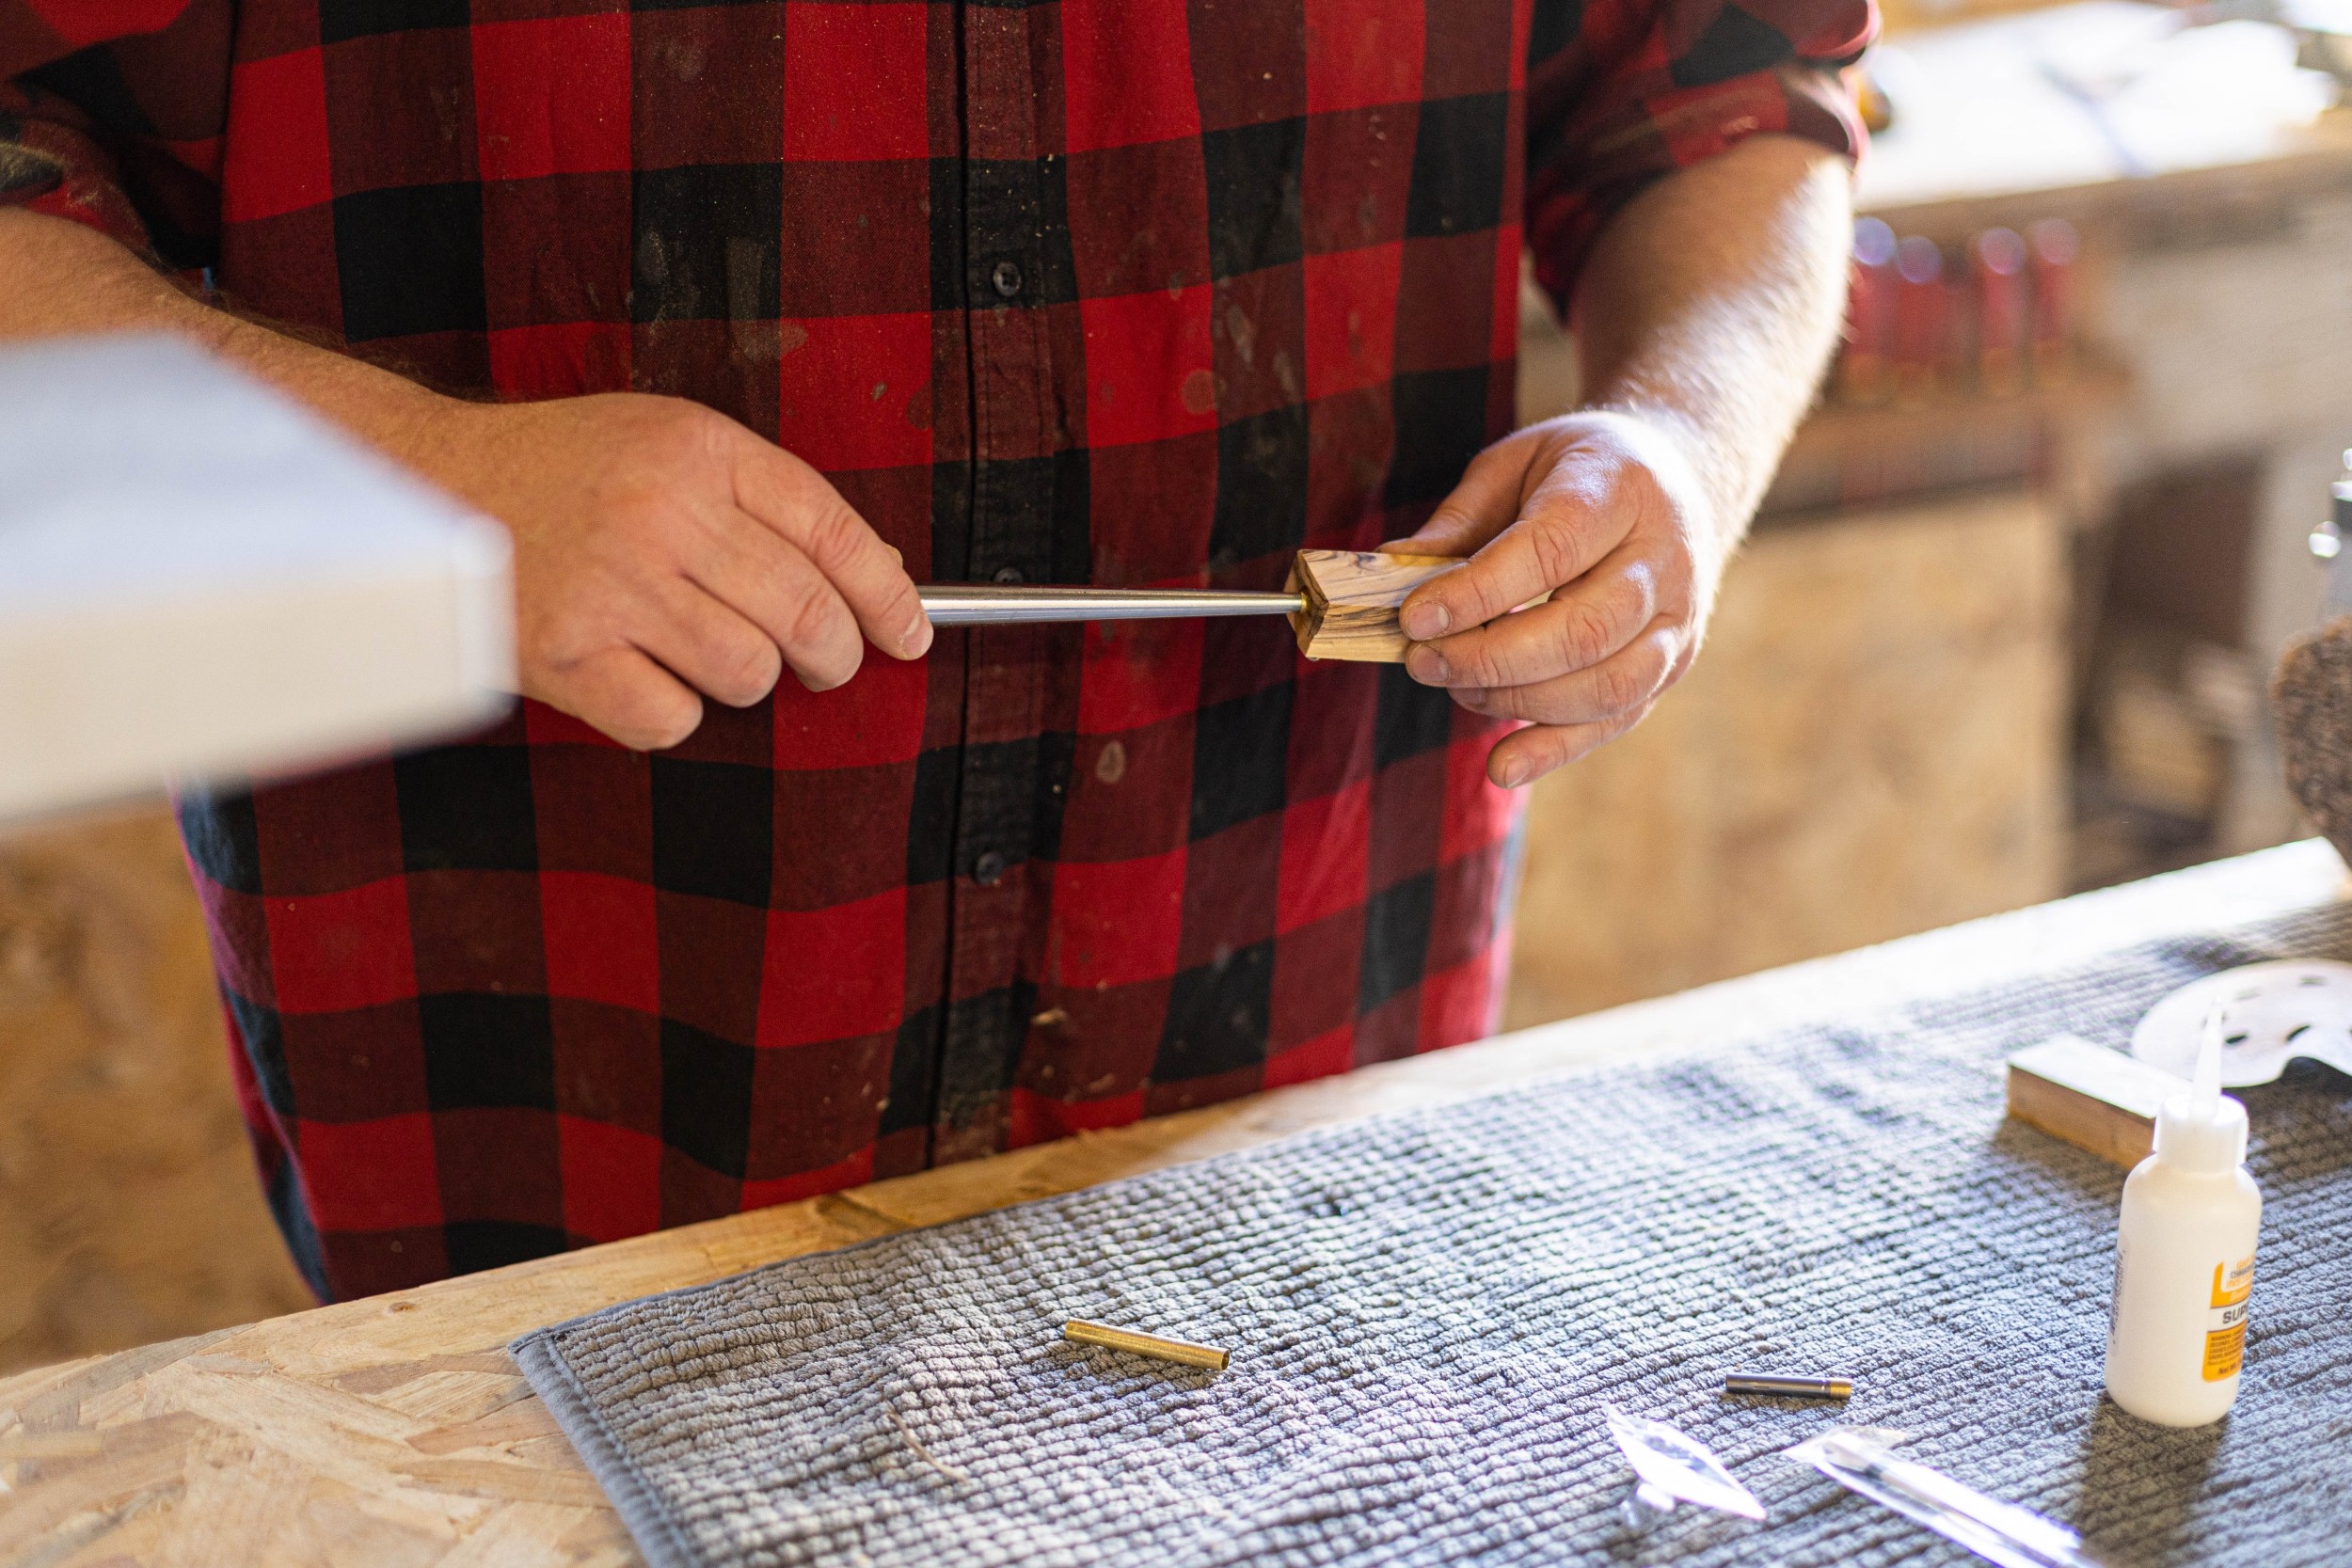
point(1352, 601)
point(2094, 1097)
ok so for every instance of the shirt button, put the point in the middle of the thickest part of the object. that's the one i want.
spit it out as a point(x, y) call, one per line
point(1009, 575)
point(989, 869)
point(1005, 280)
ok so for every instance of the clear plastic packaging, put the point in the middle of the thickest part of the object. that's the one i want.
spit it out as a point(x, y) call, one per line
point(1857, 1459)
point(1674, 1468)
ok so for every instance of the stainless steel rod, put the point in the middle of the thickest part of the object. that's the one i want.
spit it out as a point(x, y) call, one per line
point(957, 604)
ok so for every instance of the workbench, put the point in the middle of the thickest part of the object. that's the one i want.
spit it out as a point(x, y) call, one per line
point(396, 1430)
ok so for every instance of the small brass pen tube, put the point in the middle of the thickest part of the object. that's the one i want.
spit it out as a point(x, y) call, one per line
point(1789, 1388)
point(1079, 1331)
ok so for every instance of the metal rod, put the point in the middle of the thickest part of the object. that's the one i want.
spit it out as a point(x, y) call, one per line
point(1796, 1388)
point(1079, 1331)
point(959, 604)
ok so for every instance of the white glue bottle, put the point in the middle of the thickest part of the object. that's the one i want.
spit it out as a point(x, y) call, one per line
point(2185, 1258)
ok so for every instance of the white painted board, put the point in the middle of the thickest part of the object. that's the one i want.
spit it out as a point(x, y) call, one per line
point(200, 580)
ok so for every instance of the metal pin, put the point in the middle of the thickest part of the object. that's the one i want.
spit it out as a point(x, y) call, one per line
point(1081, 1332)
point(1796, 1388)
point(972, 603)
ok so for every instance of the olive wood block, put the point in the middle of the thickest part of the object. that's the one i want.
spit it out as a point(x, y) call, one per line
point(2095, 1098)
point(1352, 600)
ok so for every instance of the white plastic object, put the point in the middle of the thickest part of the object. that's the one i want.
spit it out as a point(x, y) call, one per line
point(1674, 1467)
point(2272, 1013)
point(1858, 1459)
point(201, 579)
point(2185, 1258)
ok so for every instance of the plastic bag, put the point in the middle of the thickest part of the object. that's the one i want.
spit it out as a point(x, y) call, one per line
point(1674, 1468)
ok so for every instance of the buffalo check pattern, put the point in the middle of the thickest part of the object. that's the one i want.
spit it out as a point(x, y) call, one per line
point(1118, 291)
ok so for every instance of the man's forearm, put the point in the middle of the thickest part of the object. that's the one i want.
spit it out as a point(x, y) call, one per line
point(63, 278)
point(1712, 302)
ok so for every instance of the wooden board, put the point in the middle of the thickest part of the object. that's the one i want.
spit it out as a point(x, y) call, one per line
point(1352, 601)
point(297, 600)
point(395, 1430)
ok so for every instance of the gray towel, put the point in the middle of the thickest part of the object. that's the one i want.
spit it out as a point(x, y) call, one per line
point(1426, 1312)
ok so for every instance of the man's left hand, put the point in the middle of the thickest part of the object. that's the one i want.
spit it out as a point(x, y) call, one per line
point(1604, 512)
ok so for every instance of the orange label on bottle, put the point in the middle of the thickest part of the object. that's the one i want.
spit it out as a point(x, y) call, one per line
point(2225, 1323)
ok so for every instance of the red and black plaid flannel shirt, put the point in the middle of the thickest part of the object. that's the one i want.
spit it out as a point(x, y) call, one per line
point(1120, 292)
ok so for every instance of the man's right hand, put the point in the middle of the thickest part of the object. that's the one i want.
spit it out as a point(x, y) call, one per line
point(663, 549)
point(660, 549)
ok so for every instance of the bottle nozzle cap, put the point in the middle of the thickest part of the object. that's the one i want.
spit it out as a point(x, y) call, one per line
point(2208, 1138)
point(2205, 1085)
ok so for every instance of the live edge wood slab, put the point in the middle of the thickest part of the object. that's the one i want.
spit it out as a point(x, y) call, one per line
point(395, 1430)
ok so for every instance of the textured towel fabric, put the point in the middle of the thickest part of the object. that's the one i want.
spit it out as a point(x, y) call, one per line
point(1426, 1312)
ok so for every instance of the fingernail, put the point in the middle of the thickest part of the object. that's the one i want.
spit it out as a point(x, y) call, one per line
point(1426, 665)
point(817, 682)
point(1472, 696)
point(917, 639)
point(1426, 620)
point(1514, 774)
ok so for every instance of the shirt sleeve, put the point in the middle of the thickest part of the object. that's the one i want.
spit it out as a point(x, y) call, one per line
point(1622, 92)
point(111, 116)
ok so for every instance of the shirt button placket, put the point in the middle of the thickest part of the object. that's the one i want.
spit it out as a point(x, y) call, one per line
point(1011, 523)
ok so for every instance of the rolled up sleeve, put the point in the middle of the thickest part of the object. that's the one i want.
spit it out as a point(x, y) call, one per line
point(1623, 91)
point(110, 116)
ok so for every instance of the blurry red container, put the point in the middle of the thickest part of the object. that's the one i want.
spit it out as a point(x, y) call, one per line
point(1922, 310)
point(2057, 250)
point(2004, 309)
point(1863, 370)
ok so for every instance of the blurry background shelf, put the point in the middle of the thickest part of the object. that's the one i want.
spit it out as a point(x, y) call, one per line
point(1849, 454)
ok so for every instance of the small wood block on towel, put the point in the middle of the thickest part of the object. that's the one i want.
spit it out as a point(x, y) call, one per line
point(1352, 600)
point(2094, 1097)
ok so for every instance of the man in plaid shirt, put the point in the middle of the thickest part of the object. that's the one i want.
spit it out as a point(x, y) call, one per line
point(745, 317)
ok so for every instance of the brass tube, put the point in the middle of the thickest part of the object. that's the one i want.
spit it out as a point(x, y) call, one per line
point(1079, 1331)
